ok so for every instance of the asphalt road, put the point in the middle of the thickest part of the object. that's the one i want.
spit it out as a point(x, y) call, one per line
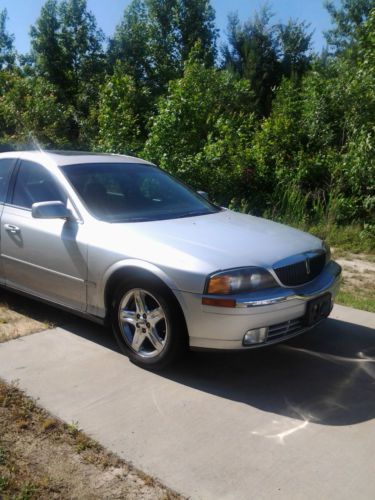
point(292, 421)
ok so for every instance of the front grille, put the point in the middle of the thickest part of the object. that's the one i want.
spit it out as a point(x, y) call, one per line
point(297, 274)
point(285, 329)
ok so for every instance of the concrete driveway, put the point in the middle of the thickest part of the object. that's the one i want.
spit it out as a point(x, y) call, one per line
point(291, 421)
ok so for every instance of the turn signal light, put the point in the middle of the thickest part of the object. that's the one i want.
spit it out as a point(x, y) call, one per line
point(219, 284)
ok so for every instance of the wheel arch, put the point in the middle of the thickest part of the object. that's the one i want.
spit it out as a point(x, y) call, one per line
point(130, 269)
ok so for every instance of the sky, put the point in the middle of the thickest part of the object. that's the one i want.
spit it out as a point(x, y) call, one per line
point(23, 13)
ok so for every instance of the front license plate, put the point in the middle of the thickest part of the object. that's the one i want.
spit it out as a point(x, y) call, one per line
point(318, 309)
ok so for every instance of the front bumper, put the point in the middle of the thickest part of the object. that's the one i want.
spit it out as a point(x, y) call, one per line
point(282, 309)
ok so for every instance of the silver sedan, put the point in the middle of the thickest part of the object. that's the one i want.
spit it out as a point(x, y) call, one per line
point(118, 240)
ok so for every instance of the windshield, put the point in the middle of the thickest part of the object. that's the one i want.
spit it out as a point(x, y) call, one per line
point(127, 192)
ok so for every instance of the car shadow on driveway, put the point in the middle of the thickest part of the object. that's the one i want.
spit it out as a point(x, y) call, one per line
point(325, 376)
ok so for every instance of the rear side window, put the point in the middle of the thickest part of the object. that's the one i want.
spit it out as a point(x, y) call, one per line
point(35, 184)
point(6, 166)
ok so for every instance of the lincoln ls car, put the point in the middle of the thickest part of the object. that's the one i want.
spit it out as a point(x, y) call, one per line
point(120, 241)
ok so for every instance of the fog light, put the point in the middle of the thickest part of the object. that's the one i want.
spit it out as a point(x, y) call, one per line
point(256, 336)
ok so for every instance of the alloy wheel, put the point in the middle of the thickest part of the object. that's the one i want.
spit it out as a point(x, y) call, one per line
point(143, 323)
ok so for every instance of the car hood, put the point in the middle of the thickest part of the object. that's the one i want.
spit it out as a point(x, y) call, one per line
point(204, 244)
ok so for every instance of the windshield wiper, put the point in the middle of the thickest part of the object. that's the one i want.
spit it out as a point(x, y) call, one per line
point(166, 216)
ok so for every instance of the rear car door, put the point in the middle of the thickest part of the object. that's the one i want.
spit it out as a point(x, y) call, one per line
point(44, 257)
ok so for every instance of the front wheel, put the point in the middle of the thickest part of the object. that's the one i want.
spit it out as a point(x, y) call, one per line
point(148, 324)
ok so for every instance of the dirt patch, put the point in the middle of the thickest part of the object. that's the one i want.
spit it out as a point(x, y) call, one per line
point(20, 316)
point(14, 324)
point(44, 458)
point(358, 275)
point(338, 254)
point(358, 283)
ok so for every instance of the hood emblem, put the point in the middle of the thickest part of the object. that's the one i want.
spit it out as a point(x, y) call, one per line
point(307, 264)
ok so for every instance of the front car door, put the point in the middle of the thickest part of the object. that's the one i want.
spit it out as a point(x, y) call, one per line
point(42, 256)
point(6, 168)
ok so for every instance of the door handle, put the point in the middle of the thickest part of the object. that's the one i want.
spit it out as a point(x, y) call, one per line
point(11, 228)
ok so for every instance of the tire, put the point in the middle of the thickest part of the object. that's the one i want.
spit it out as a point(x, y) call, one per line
point(148, 323)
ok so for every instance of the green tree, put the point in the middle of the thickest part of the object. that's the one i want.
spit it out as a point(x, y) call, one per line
point(130, 43)
point(7, 52)
point(29, 109)
point(252, 53)
point(155, 37)
point(66, 44)
point(67, 52)
point(346, 19)
point(295, 47)
point(263, 53)
point(81, 41)
point(195, 22)
point(48, 55)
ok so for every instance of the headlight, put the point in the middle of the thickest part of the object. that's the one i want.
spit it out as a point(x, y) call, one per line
point(327, 250)
point(248, 279)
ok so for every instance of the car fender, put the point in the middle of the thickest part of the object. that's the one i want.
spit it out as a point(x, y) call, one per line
point(139, 264)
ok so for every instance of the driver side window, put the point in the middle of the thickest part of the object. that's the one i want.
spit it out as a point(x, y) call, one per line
point(6, 166)
point(35, 184)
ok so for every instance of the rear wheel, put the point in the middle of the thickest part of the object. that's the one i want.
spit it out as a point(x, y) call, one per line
point(148, 324)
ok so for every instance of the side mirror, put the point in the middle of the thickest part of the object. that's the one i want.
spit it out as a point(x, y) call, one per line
point(50, 210)
point(203, 194)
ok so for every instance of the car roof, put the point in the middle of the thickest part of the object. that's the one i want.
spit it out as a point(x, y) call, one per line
point(62, 158)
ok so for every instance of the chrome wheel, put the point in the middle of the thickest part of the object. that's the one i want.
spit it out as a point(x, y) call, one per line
point(143, 323)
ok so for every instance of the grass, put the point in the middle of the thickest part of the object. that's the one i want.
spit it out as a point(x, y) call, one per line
point(42, 457)
point(314, 213)
point(354, 238)
point(353, 300)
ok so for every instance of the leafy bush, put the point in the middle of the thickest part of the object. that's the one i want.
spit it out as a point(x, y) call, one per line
point(202, 131)
point(119, 117)
point(315, 154)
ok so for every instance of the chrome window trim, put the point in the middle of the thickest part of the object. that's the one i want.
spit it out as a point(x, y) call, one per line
point(11, 205)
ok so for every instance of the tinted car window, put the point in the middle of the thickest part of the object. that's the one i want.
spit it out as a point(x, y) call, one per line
point(126, 192)
point(34, 184)
point(6, 166)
